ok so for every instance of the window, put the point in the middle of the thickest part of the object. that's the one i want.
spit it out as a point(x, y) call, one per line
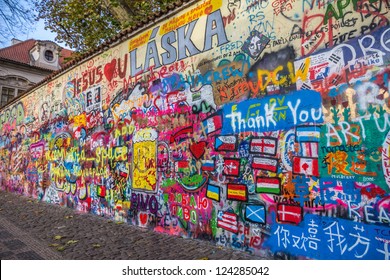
point(49, 55)
point(20, 91)
point(7, 94)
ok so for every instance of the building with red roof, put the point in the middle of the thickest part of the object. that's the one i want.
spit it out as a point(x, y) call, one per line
point(26, 63)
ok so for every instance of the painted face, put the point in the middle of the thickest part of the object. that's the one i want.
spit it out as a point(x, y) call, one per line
point(255, 46)
point(232, 4)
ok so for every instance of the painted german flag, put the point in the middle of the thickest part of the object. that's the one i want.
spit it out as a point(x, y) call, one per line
point(237, 192)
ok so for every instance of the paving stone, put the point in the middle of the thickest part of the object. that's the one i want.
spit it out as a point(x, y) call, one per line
point(5, 234)
point(5, 255)
point(117, 241)
point(14, 244)
point(29, 255)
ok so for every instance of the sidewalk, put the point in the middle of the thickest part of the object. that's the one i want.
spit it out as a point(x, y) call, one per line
point(36, 230)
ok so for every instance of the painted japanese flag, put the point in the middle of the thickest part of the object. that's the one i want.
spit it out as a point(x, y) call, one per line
point(305, 166)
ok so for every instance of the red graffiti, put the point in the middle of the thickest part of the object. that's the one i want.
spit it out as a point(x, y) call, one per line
point(198, 149)
point(312, 39)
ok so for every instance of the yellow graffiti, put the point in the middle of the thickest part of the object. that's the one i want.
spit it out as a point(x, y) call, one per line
point(80, 120)
point(113, 153)
point(139, 40)
point(124, 131)
point(274, 78)
point(4, 153)
point(144, 167)
point(195, 13)
point(54, 155)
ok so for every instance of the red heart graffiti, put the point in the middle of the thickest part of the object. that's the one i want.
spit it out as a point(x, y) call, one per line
point(198, 149)
point(109, 69)
point(143, 218)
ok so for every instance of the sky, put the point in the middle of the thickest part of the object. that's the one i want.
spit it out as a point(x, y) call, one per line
point(39, 34)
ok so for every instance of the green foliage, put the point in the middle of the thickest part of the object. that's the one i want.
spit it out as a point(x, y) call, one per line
point(83, 25)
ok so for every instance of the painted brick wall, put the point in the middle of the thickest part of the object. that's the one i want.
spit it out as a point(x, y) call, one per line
point(258, 125)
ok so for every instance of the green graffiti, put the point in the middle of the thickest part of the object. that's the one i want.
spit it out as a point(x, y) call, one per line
point(342, 7)
point(168, 183)
point(12, 116)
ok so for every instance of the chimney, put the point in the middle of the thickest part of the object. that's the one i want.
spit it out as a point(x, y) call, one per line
point(15, 41)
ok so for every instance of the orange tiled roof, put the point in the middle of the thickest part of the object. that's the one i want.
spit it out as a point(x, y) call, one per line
point(65, 53)
point(21, 52)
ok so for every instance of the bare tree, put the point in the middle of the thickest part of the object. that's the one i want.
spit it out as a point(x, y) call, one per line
point(16, 18)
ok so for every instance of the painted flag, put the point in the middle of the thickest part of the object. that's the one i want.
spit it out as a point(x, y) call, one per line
point(268, 185)
point(213, 192)
point(213, 124)
point(263, 163)
point(308, 133)
point(237, 192)
point(208, 165)
point(309, 149)
point(231, 167)
point(226, 143)
point(228, 221)
point(305, 166)
point(101, 191)
point(305, 86)
point(289, 213)
point(334, 58)
point(255, 213)
point(264, 145)
point(181, 165)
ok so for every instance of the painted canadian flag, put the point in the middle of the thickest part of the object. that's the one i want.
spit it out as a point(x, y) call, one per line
point(305, 166)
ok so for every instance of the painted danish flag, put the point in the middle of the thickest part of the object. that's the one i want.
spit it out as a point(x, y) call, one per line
point(289, 213)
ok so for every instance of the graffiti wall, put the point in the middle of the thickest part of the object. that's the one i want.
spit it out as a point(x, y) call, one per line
point(260, 125)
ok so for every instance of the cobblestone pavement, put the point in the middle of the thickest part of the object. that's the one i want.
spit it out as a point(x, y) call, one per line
point(30, 229)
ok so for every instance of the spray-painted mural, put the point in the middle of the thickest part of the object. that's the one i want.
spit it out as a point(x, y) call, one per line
point(261, 125)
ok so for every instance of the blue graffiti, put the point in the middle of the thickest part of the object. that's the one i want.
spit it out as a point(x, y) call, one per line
point(331, 238)
point(273, 112)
